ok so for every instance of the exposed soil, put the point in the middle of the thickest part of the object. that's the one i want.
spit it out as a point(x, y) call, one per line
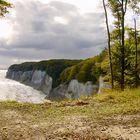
point(18, 126)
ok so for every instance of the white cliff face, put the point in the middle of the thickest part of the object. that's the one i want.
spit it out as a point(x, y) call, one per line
point(37, 79)
point(79, 89)
point(13, 90)
point(41, 81)
point(103, 85)
point(73, 90)
point(16, 75)
point(47, 86)
point(26, 76)
point(76, 88)
point(60, 93)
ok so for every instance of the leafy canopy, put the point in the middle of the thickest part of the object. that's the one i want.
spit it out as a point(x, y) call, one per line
point(4, 5)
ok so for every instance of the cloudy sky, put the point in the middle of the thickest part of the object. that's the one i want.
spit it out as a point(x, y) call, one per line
point(47, 29)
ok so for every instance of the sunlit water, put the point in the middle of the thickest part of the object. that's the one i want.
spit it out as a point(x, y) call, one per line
point(12, 90)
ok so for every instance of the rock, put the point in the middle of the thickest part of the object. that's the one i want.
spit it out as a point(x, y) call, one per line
point(9, 74)
point(16, 75)
point(103, 85)
point(79, 89)
point(73, 90)
point(38, 78)
point(26, 77)
point(90, 88)
point(47, 86)
point(60, 92)
point(41, 81)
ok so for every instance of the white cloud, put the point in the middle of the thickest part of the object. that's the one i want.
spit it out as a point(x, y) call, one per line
point(60, 20)
point(53, 30)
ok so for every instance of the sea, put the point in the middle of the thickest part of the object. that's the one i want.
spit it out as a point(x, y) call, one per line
point(11, 90)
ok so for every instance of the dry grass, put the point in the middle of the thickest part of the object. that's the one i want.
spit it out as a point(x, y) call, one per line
point(88, 118)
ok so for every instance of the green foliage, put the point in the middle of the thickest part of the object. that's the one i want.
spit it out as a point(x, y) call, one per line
point(124, 53)
point(52, 67)
point(27, 66)
point(90, 69)
point(4, 5)
point(130, 58)
point(87, 70)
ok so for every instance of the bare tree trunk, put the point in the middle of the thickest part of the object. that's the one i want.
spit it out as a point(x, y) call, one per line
point(123, 10)
point(122, 54)
point(119, 27)
point(109, 45)
point(136, 61)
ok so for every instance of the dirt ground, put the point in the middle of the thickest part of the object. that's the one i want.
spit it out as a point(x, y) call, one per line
point(16, 126)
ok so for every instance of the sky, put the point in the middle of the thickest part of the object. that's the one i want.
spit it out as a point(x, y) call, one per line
point(37, 30)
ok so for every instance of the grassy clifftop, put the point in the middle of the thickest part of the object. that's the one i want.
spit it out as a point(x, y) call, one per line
point(53, 67)
point(44, 65)
point(62, 70)
point(111, 115)
point(87, 70)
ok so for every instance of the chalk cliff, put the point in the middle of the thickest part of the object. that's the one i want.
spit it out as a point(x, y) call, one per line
point(40, 80)
point(60, 79)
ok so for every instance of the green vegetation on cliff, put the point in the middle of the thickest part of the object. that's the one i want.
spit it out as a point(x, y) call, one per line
point(52, 67)
point(87, 70)
point(90, 69)
point(66, 70)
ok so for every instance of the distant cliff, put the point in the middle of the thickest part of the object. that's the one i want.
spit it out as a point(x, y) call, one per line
point(53, 68)
point(59, 79)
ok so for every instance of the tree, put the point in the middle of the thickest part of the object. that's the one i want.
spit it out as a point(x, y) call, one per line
point(4, 5)
point(136, 59)
point(136, 9)
point(123, 12)
point(109, 44)
point(119, 9)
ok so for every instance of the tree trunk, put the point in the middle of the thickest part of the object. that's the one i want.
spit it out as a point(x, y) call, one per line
point(136, 61)
point(122, 56)
point(109, 45)
point(123, 10)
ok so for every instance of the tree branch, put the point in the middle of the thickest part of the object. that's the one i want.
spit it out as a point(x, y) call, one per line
point(125, 8)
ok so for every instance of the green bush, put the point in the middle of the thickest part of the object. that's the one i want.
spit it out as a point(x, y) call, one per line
point(87, 70)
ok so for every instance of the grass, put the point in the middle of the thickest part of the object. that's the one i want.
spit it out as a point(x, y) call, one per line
point(74, 114)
